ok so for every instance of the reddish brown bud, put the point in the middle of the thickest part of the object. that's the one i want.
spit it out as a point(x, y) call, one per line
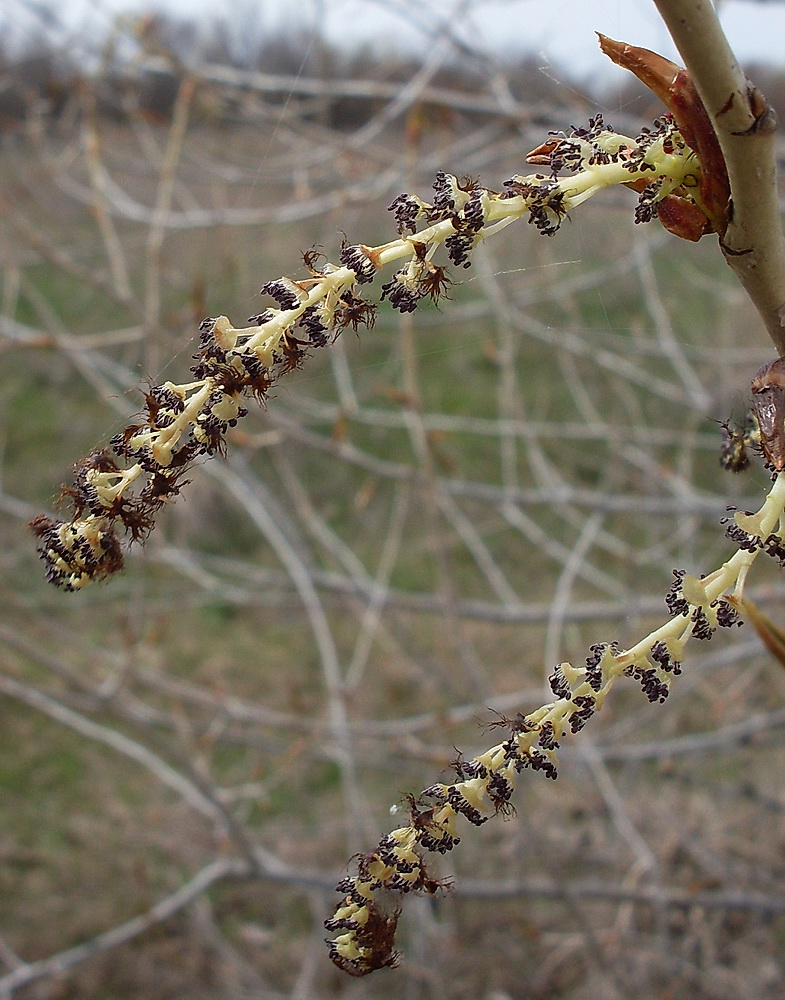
point(673, 86)
point(682, 217)
point(768, 404)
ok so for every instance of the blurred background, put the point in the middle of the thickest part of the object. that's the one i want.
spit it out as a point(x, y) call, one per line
point(400, 546)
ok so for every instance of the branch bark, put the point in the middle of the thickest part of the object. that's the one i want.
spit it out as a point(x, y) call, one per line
point(753, 244)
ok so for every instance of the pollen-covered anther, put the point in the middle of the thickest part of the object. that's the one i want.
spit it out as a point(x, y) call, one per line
point(544, 760)
point(654, 682)
point(559, 684)
point(78, 552)
point(469, 798)
point(470, 769)
point(547, 738)
point(408, 210)
point(661, 653)
point(475, 211)
point(703, 626)
point(500, 791)
point(312, 322)
point(544, 197)
point(774, 546)
point(675, 599)
point(646, 209)
point(368, 939)
point(727, 615)
point(746, 541)
point(287, 293)
point(601, 653)
point(259, 319)
point(363, 260)
point(462, 805)
point(450, 195)
point(403, 291)
point(439, 844)
point(458, 247)
point(585, 707)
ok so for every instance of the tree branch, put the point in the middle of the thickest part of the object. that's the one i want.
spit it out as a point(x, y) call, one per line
point(753, 243)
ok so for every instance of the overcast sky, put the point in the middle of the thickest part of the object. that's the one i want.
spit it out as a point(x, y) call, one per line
point(557, 31)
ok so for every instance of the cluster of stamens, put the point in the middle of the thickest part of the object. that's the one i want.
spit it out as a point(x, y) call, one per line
point(642, 159)
point(118, 491)
point(365, 921)
point(121, 488)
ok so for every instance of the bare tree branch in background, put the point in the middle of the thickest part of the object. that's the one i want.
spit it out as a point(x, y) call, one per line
point(328, 616)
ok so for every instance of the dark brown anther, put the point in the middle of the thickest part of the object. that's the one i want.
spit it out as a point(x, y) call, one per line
point(768, 404)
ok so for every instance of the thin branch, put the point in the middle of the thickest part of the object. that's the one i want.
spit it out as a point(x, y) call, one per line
point(117, 741)
point(655, 895)
point(153, 270)
point(361, 89)
point(59, 963)
point(251, 496)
